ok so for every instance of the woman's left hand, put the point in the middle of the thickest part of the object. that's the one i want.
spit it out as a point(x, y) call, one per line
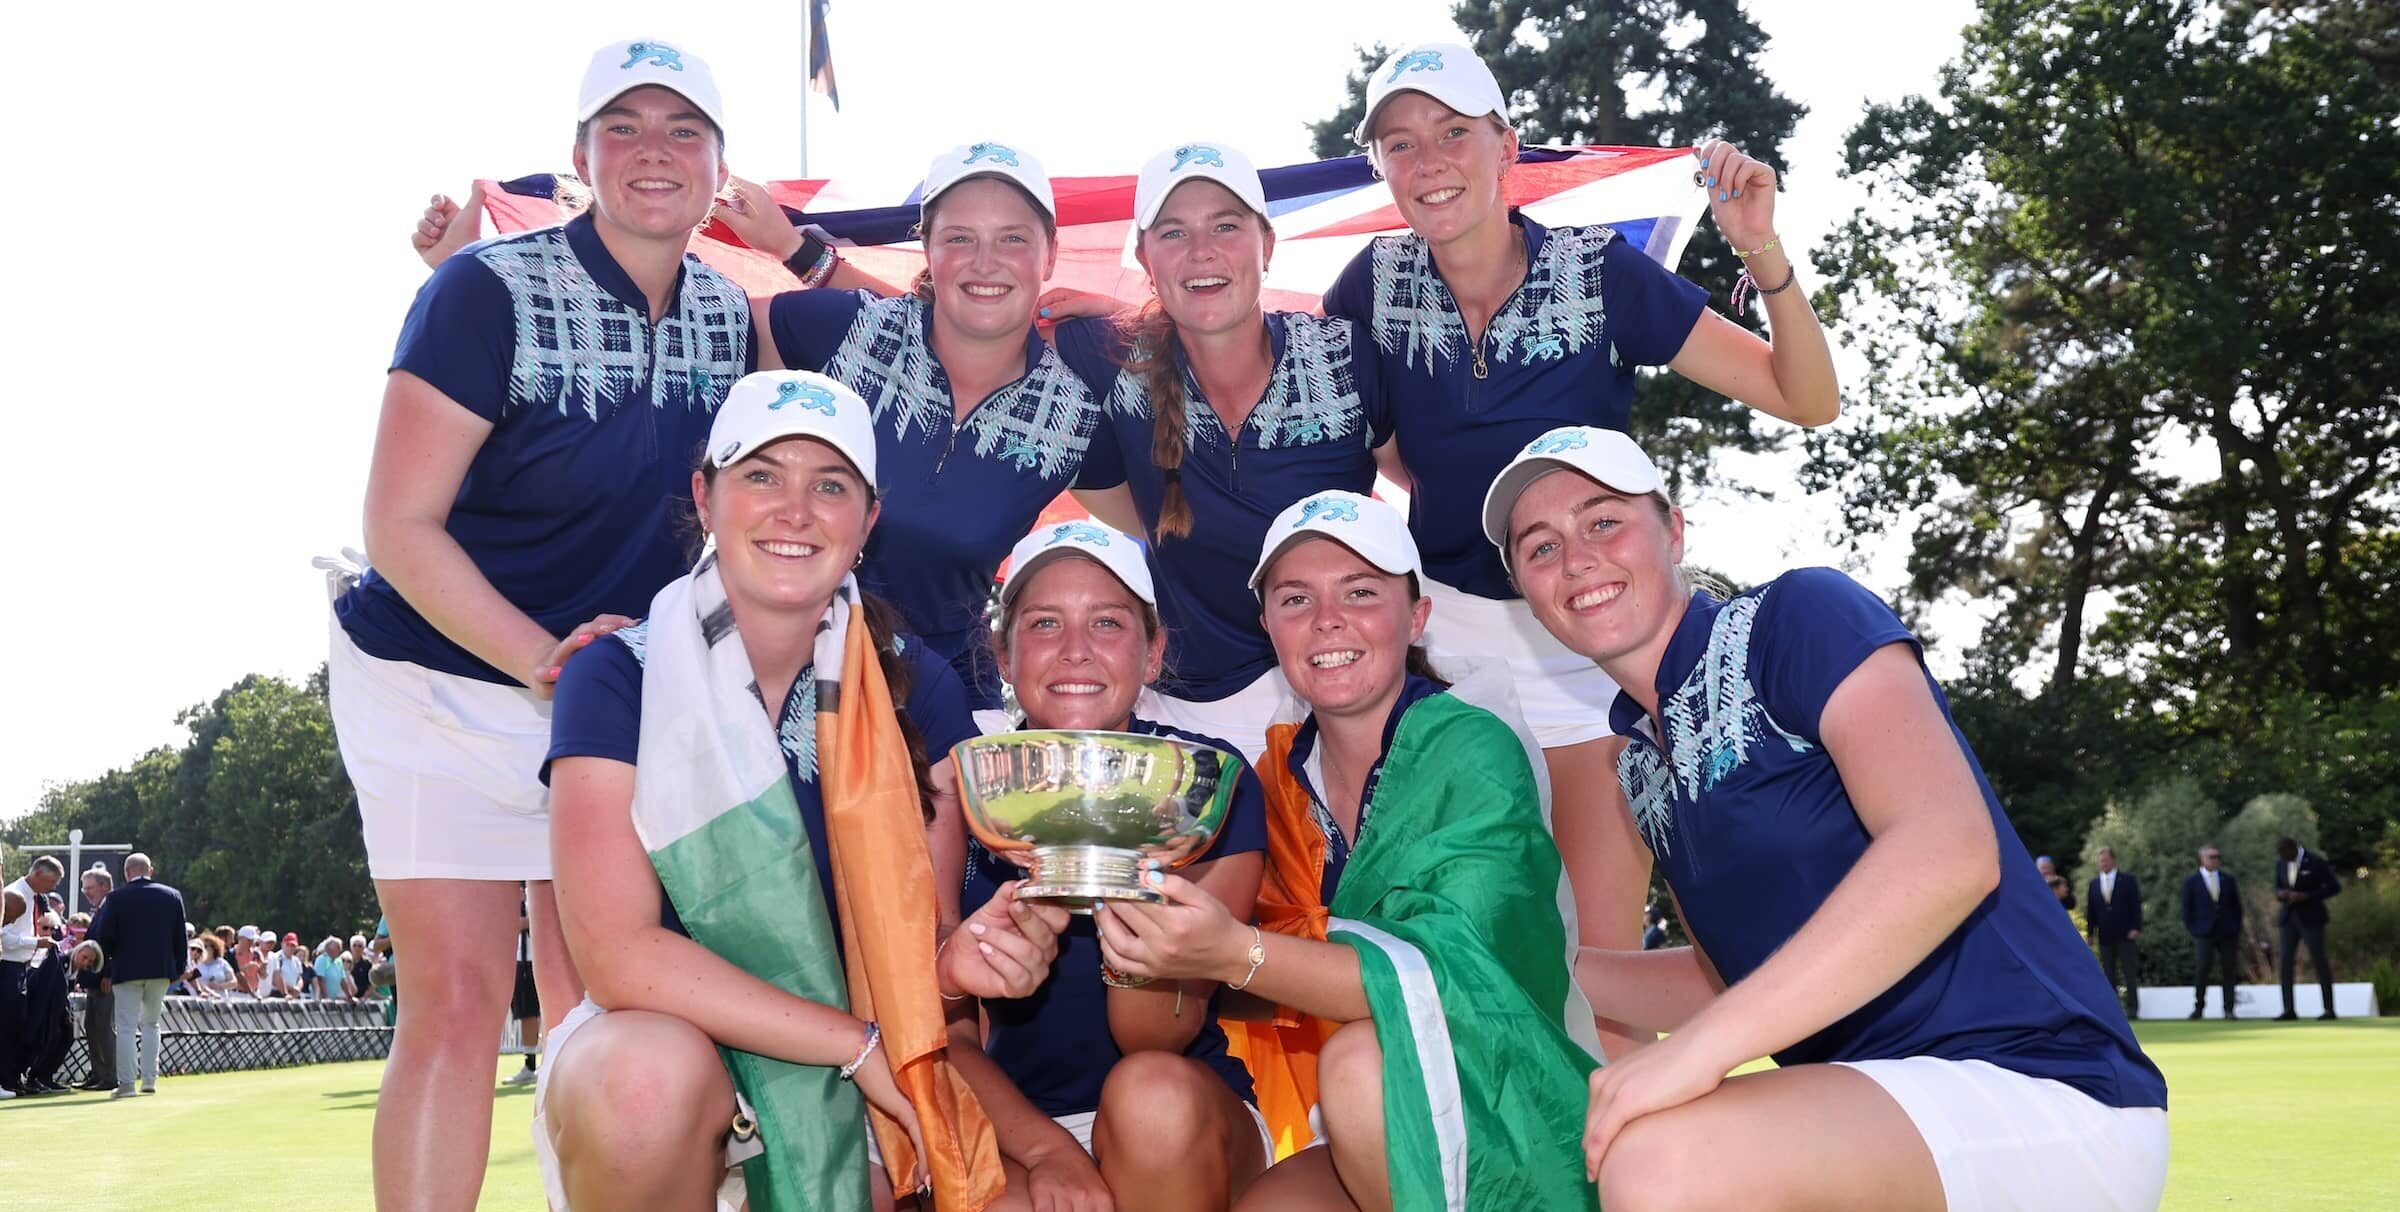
point(1741, 194)
point(1655, 1077)
point(1190, 936)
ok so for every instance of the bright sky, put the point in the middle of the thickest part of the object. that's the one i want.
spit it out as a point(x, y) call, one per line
point(249, 175)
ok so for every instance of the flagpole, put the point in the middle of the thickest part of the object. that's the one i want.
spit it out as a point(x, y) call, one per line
point(807, 85)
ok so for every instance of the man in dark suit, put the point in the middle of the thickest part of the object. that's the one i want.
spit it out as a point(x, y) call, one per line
point(2303, 883)
point(141, 928)
point(2112, 918)
point(2212, 913)
point(99, 1008)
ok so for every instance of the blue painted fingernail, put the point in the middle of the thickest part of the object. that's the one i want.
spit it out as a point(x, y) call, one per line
point(1724, 197)
point(1045, 313)
point(1737, 193)
point(1712, 180)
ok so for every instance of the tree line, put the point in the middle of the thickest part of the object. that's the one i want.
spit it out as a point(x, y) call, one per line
point(251, 817)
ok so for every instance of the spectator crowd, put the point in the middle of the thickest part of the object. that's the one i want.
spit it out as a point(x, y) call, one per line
point(127, 949)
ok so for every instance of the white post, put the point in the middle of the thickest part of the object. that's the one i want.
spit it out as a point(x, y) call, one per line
point(75, 848)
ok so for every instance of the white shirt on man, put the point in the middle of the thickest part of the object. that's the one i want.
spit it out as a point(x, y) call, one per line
point(16, 936)
point(2210, 877)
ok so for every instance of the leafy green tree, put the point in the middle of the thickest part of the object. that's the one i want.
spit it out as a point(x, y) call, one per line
point(2128, 305)
point(1630, 72)
point(2126, 230)
point(252, 817)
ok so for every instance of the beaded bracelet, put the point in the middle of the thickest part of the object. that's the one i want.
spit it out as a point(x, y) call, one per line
point(814, 263)
point(874, 1038)
point(1117, 980)
point(1745, 285)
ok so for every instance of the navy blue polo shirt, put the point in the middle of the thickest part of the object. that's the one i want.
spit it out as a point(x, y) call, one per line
point(1561, 351)
point(1338, 845)
point(1055, 1045)
point(598, 713)
point(598, 417)
point(1752, 827)
point(1316, 428)
point(956, 495)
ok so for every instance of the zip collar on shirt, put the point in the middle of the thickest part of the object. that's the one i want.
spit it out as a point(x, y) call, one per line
point(583, 239)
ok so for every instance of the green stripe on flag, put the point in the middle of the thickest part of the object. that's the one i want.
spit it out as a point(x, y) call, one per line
point(745, 884)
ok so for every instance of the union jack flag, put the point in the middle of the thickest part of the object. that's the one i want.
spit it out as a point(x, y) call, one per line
point(1324, 212)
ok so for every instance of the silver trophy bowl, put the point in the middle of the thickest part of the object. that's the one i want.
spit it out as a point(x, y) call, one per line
point(1081, 811)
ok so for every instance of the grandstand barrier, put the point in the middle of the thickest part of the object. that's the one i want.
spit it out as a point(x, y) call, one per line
point(205, 1036)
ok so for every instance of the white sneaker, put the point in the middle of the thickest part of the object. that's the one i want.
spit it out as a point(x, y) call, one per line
point(522, 1077)
point(6, 1094)
point(122, 1092)
point(149, 1087)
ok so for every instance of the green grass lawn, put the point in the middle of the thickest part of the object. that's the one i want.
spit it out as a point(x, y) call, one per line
point(2266, 1116)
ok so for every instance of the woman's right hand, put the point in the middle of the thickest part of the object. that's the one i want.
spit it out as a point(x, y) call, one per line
point(447, 226)
point(1066, 303)
point(874, 1079)
point(1004, 949)
point(546, 671)
point(758, 219)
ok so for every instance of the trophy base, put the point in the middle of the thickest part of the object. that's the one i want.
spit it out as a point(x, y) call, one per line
point(1079, 877)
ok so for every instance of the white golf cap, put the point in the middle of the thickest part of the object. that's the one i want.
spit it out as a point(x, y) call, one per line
point(968, 161)
point(1369, 527)
point(1606, 455)
point(1111, 548)
point(775, 404)
point(1218, 162)
point(246, 932)
point(621, 67)
point(1445, 71)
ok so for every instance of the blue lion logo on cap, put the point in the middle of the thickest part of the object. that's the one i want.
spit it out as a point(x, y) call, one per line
point(997, 153)
point(1558, 443)
point(806, 395)
point(1079, 532)
point(1195, 153)
point(1415, 61)
point(656, 52)
point(1331, 509)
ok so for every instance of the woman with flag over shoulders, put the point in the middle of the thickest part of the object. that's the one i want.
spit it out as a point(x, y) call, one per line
point(1944, 1040)
point(758, 897)
point(1411, 944)
point(1216, 415)
point(1492, 329)
point(545, 393)
point(1108, 1089)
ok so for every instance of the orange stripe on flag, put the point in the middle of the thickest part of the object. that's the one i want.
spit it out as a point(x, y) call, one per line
point(883, 882)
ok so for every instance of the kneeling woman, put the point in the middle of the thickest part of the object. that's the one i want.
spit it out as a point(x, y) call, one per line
point(1414, 945)
point(767, 885)
point(1133, 1073)
point(1944, 1039)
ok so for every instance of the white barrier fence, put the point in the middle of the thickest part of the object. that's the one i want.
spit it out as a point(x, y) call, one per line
point(2350, 1000)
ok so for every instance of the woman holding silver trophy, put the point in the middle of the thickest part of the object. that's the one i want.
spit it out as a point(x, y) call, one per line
point(1105, 1088)
point(1411, 942)
point(757, 896)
